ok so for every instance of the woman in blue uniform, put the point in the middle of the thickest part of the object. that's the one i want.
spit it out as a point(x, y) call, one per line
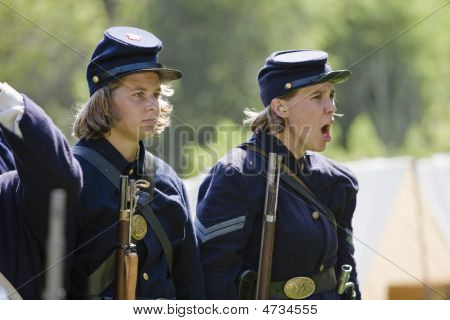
point(297, 88)
point(128, 92)
point(44, 162)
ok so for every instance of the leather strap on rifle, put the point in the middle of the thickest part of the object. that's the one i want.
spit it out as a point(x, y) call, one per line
point(131, 266)
point(291, 179)
point(103, 276)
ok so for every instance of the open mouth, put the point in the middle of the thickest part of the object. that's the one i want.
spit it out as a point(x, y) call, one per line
point(326, 132)
point(325, 129)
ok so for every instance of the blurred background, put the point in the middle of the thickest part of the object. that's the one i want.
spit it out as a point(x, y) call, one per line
point(396, 106)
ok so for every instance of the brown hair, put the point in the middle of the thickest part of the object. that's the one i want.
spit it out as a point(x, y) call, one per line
point(267, 120)
point(94, 118)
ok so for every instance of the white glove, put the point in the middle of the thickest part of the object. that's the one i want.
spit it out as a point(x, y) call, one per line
point(11, 108)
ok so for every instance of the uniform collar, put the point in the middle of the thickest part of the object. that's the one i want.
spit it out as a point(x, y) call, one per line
point(270, 143)
point(109, 152)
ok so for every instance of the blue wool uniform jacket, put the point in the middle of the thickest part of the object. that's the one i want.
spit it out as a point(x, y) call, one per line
point(96, 227)
point(6, 157)
point(231, 204)
point(44, 162)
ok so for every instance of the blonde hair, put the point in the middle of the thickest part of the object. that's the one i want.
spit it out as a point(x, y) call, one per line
point(94, 118)
point(267, 120)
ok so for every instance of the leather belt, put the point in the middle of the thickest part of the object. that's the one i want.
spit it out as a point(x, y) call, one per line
point(303, 287)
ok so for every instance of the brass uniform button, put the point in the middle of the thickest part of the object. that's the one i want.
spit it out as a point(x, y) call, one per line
point(288, 85)
point(315, 215)
point(131, 172)
point(95, 79)
point(321, 268)
point(145, 276)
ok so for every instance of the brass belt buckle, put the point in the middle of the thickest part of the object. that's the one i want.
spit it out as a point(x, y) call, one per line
point(299, 288)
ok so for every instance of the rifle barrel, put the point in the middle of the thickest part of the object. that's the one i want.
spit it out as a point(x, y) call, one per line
point(268, 228)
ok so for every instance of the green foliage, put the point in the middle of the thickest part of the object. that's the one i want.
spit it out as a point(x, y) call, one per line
point(363, 140)
point(334, 149)
point(47, 42)
point(227, 135)
point(396, 102)
point(431, 135)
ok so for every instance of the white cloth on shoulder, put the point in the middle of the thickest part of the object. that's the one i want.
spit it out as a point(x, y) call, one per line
point(11, 108)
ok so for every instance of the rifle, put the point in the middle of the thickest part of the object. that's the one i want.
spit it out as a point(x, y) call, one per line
point(268, 228)
point(126, 253)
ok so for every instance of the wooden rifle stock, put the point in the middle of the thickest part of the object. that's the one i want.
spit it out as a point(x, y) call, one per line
point(268, 227)
point(126, 257)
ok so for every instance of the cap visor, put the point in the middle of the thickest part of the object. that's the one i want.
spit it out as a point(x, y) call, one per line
point(167, 74)
point(337, 76)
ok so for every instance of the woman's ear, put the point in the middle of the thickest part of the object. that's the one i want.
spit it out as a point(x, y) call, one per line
point(278, 106)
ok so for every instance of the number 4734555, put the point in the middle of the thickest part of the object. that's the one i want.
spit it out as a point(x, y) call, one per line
point(290, 309)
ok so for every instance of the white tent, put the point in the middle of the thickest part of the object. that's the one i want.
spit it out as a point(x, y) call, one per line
point(401, 226)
